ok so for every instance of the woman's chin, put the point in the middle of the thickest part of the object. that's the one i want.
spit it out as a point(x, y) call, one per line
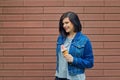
point(67, 31)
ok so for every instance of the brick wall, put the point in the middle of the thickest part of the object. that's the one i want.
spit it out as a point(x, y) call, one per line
point(29, 28)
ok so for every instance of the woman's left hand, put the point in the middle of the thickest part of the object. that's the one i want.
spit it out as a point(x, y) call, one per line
point(69, 58)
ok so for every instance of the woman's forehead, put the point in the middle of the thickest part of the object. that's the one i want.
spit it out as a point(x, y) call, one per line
point(66, 19)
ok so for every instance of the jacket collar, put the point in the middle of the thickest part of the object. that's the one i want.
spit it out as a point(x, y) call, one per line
point(77, 36)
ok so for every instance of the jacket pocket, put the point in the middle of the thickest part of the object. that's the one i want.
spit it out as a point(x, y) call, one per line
point(79, 46)
point(78, 49)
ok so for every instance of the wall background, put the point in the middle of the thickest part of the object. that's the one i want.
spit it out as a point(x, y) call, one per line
point(29, 28)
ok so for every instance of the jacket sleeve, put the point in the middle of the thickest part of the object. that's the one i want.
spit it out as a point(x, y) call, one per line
point(87, 61)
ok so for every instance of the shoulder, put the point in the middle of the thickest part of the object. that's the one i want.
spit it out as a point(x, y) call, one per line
point(82, 39)
point(60, 39)
point(87, 40)
point(83, 36)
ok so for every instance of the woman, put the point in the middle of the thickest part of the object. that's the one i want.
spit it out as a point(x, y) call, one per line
point(73, 51)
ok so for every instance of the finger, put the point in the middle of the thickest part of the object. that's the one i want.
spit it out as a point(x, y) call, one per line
point(62, 47)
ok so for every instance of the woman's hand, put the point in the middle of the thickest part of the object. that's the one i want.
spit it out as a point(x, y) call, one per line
point(67, 56)
point(63, 48)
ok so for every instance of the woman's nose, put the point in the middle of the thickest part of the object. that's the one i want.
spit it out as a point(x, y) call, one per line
point(64, 25)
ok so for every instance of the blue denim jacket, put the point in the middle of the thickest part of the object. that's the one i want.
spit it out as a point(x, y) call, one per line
point(82, 53)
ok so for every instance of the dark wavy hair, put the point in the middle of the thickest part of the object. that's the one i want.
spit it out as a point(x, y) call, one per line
point(74, 19)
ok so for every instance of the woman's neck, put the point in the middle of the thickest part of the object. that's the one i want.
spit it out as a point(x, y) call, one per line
point(71, 35)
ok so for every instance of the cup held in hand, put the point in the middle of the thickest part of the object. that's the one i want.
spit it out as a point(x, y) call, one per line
point(64, 50)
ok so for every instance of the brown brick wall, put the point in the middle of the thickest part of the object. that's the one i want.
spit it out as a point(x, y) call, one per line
point(29, 28)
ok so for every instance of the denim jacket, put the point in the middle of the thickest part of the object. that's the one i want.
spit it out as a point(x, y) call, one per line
point(82, 53)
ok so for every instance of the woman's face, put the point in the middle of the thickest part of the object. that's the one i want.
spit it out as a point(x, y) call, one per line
point(67, 25)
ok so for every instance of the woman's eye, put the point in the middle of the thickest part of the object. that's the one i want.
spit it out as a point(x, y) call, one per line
point(66, 22)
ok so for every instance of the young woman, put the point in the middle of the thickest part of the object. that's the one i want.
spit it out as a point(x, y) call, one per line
point(74, 51)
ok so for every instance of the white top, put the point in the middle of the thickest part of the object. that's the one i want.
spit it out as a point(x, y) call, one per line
point(63, 65)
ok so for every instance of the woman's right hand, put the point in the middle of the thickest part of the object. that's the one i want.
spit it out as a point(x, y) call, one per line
point(63, 48)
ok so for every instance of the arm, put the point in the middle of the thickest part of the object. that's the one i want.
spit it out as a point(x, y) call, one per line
point(87, 60)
